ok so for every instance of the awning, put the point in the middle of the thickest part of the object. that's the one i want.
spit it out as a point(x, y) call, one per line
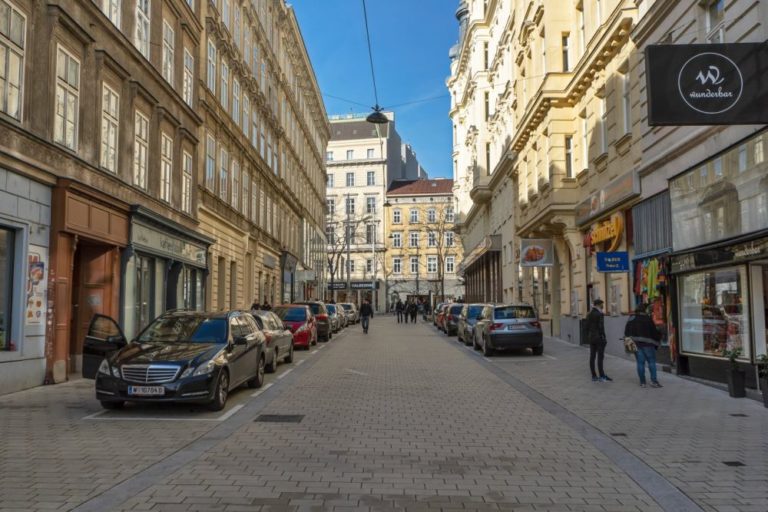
point(490, 243)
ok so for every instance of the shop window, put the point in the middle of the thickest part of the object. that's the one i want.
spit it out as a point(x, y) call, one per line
point(7, 247)
point(714, 311)
point(145, 268)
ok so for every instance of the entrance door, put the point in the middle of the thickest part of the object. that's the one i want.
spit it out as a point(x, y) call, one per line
point(759, 276)
point(95, 286)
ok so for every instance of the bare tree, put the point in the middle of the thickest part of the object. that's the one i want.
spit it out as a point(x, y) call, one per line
point(340, 234)
point(441, 238)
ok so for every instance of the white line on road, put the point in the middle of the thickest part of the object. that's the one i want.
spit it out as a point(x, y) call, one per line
point(266, 387)
point(314, 352)
point(284, 373)
point(300, 362)
point(231, 412)
point(349, 370)
point(97, 417)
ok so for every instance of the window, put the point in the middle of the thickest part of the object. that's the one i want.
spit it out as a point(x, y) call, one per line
point(414, 265)
point(329, 156)
point(7, 250)
point(369, 266)
point(211, 70)
point(543, 40)
point(370, 205)
point(759, 151)
point(449, 238)
point(350, 154)
point(223, 174)
point(431, 264)
point(431, 215)
point(189, 77)
point(350, 265)
point(584, 141)
point(236, 102)
point(486, 56)
point(370, 233)
point(487, 103)
point(396, 216)
point(330, 203)
point(246, 113)
point(110, 107)
point(450, 264)
point(12, 43)
point(599, 12)
point(330, 181)
point(582, 30)
point(67, 99)
point(449, 216)
point(371, 178)
point(626, 106)
point(603, 125)
point(397, 240)
point(350, 205)
point(369, 153)
point(168, 49)
point(432, 239)
point(210, 163)
point(186, 183)
point(397, 265)
point(413, 239)
point(715, 20)
point(254, 199)
point(235, 190)
point(166, 167)
point(140, 150)
point(254, 128)
point(225, 12)
point(414, 216)
point(141, 37)
point(224, 85)
point(350, 179)
point(566, 44)
point(569, 156)
point(112, 10)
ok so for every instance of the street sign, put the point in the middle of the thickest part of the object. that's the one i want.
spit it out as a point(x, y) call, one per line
point(617, 261)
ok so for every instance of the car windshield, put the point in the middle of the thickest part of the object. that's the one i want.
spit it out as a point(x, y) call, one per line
point(509, 312)
point(331, 309)
point(291, 314)
point(315, 308)
point(456, 310)
point(348, 307)
point(474, 311)
point(185, 329)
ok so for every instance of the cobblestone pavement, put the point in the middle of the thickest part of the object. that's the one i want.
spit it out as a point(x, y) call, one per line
point(401, 419)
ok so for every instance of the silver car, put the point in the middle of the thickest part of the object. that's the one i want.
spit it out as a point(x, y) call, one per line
point(335, 317)
point(351, 311)
point(509, 326)
point(467, 321)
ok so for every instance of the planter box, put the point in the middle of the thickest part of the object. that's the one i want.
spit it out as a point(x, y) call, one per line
point(737, 383)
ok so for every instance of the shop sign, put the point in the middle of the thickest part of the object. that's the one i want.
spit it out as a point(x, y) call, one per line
point(617, 261)
point(610, 230)
point(706, 84)
point(747, 251)
point(36, 286)
point(162, 243)
point(620, 189)
point(536, 252)
point(354, 285)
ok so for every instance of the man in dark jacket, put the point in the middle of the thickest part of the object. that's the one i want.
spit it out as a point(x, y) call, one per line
point(643, 331)
point(366, 313)
point(399, 307)
point(597, 341)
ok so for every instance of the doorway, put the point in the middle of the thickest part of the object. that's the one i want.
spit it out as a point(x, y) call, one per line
point(759, 277)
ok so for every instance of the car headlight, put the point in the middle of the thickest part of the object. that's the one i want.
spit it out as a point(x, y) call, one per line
point(115, 372)
point(104, 367)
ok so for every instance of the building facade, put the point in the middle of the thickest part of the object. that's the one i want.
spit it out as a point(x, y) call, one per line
point(423, 252)
point(262, 172)
point(362, 160)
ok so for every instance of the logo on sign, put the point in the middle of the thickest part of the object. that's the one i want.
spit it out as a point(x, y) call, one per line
point(710, 83)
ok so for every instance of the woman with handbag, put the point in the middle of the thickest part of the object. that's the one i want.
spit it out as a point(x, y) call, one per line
point(642, 331)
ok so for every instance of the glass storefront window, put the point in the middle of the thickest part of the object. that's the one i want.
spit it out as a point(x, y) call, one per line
point(714, 311)
point(144, 278)
point(6, 287)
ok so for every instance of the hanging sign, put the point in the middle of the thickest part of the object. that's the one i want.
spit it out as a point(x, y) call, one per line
point(617, 261)
point(536, 252)
point(707, 84)
point(607, 231)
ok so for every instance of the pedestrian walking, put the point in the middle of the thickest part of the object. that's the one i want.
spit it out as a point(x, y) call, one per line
point(255, 306)
point(266, 306)
point(647, 338)
point(366, 313)
point(399, 307)
point(412, 311)
point(597, 341)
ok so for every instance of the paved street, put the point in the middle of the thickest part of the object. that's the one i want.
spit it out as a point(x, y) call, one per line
point(401, 419)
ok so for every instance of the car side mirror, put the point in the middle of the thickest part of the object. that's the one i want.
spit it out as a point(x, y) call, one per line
point(117, 340)
point(240, 341)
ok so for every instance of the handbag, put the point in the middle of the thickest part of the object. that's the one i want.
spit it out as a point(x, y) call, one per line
point(630, 347)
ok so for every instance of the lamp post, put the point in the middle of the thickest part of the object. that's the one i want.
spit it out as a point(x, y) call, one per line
point(373, 223)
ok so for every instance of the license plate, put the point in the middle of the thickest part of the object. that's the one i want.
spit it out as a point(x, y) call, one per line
point(146, 390)
point(516, 327)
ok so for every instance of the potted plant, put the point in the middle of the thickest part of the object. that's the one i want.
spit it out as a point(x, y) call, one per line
point(736, 376)
point(762, 374)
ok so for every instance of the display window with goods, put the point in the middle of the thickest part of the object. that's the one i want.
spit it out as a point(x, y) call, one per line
point(714, 312)
point(650, 286)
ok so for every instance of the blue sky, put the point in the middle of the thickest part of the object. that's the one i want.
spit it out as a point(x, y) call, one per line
point(410, 40)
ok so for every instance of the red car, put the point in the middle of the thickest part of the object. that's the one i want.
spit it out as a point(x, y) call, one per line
point(441, 317)
point(300, 321)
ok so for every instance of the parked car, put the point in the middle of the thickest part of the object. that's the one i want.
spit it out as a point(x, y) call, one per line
point(441, 317)
point(301, 322)
point(352, 312)
point(181, 356)
point(279, 339)
point(467, 321)
point(335, 317)
point(436, 311)
point(451, 319)
point(509, 326)
point(324, 331)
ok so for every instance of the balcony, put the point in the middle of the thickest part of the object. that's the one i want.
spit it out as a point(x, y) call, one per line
point(481, 186)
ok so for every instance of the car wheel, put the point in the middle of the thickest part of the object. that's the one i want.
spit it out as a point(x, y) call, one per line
point(112, 405)
point(258, 380)
point(289, 358)
point(487, 351)
point(459, 337)
point(467, 342)
point(537, 351)
point(272, 366)
point(221, 392)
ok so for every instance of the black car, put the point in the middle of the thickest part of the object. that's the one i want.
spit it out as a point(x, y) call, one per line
point(181, 356)
point(324, 331)
point(278, 338)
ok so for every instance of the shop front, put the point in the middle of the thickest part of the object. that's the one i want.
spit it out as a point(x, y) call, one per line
point(164, 267)
point(288, 263)
point(720, 265)
point(358, 291)
point(481, 270)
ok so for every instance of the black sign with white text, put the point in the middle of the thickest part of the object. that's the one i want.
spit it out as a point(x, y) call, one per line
point(704, 84)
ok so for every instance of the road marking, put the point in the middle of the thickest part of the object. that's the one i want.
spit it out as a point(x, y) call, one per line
point(300, 362)
point(223, 417)
point(489, 360)
point(284, 373)
point(231, 412)
point(321, 347)
point(349, 370)
point(314, 352)
point(263, 389)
